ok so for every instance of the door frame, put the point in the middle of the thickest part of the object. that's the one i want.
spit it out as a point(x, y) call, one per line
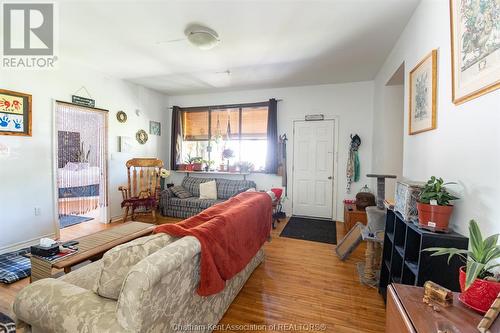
point(55, 192)
point(335, 120)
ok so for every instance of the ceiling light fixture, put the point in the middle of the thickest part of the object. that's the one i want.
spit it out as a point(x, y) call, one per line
point(202, 37)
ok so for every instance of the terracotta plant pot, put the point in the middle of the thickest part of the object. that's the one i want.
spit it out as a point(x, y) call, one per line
point(480, 294)
point(189, 167)
point(181, 167)
point(435, 218)
point(197, 166)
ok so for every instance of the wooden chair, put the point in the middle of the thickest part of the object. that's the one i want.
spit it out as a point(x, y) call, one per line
point(143, 187)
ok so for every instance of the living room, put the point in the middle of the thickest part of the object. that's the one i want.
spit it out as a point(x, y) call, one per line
point(299, 100)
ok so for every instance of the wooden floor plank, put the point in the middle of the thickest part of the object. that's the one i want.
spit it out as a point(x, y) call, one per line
point(300, 282)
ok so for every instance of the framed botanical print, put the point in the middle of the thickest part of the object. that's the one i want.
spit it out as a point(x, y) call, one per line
point(154, 127)
point(475, 48)
point(423, 90)
point(15, 113)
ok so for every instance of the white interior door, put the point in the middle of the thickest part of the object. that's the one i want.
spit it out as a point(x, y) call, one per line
point(313, 159)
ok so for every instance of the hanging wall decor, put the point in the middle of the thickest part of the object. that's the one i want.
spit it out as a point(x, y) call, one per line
point(141, 136)
point(475, 48)
point(15, 113)
point(155, 128)
point(423, 89)
point(353, 165)
point(121, 116)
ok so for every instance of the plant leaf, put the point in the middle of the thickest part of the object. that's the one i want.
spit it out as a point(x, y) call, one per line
point(476, 240)
point(492, 254)
point(473, 270)
point(490, 242)
point(438, 251)
point(487, 268)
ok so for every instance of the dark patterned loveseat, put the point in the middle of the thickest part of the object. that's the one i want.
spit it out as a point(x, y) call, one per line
point(170, 205)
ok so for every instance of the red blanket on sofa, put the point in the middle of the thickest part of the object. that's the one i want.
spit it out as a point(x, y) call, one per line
point(230, 233)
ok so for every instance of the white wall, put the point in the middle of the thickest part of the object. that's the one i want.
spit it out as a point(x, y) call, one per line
point(351, 102)
point(388, 128)
point(465, 145)
point(26, 173)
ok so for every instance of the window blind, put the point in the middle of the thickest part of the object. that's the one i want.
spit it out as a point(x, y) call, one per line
point(195, 124)
point(225, 123)
point(254, 122)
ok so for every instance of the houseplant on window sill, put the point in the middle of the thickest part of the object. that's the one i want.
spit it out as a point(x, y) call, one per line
point(197, 163)
point(479, 284)
point(245, 166)
point(226, 155)
point(434, 209)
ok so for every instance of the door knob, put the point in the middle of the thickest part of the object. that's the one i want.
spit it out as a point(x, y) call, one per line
point(330, 177)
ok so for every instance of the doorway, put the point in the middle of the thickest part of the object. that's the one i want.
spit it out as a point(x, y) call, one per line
point(81, 148)
point(313, 168)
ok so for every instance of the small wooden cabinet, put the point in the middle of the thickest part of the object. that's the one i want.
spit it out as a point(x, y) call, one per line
point(406, 313)
point(353, 215)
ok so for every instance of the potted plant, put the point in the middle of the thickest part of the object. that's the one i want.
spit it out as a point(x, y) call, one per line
point(434, 209)
point(208, 164)
point(246, 166)
point(478, 283)
point(226, 155)
point(197, 163)
point(189, 165)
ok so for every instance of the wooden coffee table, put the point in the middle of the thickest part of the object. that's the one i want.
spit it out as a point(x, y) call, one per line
point(91, 247)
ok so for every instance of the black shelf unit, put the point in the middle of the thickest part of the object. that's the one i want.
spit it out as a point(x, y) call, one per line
point(405, 262)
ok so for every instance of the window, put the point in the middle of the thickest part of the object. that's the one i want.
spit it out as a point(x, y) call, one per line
point(208, 131)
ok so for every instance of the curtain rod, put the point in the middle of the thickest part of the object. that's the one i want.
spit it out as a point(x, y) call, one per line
point(227, 106)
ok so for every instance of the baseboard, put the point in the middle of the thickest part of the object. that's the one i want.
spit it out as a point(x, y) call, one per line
point(116, 219)
point(28, 243)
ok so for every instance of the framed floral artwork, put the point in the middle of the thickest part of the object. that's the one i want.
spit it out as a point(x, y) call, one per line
point(475, 48)
point(423, 90)
point(15, 113)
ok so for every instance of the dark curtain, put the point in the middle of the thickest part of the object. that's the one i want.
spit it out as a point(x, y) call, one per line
point(272, 137)
point(176, 138)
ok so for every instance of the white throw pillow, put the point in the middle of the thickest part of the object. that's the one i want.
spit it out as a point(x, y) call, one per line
point(208, 190)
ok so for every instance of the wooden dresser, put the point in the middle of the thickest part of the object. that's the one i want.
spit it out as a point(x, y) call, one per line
point(407, 313)
point(353, 215)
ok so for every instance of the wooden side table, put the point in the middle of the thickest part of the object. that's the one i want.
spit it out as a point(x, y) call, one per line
point(407, 313)
point(353, 215)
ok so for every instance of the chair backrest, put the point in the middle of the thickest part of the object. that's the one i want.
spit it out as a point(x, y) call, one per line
point(144, 177)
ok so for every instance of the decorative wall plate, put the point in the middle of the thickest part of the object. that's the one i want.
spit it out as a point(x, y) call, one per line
point(121, 116)
point(141, 136)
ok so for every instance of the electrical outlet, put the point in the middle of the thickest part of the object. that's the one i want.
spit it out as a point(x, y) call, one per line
point(38, 211)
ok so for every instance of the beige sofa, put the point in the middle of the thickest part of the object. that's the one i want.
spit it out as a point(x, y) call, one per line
point(157, 295)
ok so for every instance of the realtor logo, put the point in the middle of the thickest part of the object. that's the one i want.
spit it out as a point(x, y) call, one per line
point(28, 35)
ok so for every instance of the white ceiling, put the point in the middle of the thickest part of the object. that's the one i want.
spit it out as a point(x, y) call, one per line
point(269, 43)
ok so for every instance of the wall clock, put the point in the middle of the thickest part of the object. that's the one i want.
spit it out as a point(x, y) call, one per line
point(141, 136)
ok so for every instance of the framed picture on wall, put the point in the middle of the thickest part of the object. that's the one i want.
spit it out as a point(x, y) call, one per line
point(423, 90)
point(475, 48)
point(154, 127)
point(15, 113)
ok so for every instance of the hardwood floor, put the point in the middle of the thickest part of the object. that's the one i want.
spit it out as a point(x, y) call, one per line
point(299, 283)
